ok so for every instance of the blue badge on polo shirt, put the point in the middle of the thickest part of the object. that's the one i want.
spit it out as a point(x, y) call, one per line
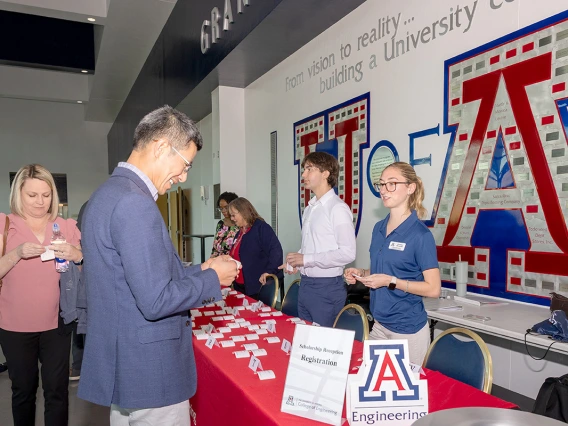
point(397, 246)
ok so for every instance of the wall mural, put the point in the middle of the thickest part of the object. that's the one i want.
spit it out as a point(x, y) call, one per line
point(502, 203)
point(342, 131)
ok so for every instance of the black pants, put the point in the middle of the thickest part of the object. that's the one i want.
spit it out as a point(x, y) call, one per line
point(22, 352)
point(77, 349)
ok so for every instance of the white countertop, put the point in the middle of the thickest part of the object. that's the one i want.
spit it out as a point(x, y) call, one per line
point(509, 321)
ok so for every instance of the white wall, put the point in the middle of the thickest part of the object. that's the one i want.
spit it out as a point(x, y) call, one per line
point(55, 135)
point(406, 96)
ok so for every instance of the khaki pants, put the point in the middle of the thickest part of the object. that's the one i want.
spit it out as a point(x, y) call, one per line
point(172, 415)
point(418, 342)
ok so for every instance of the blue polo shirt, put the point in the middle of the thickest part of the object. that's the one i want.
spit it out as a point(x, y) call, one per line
point(408, 251)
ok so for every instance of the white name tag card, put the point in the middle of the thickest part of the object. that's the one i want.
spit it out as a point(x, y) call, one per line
point(264, 314)
point(294, 320)
point(233, 325)
point(266, 375)
point(253, 327)
point(250, 346)
point(217, 319)
point(286, 346)
point(209, 313)
point(254, 363)
point(269, 321)
point(240, 320)
point(196, 313)
point(252, 336)
point(211, 341)
point(272, 339)
point(264, 326)
point(226, 343)
point(397, 246)
point(225, 292)
point(245, 324)
point(276, 314)
point(266, 309)
point(224, 330)
point(245, 301)
point(385, 388)
point(233, 292)
point(261, 331)
point(238, 338)
point(317, 373)
point(228, 317)
point(199, 333)
point(220, 312)
point(259, 352)
point(217, 335)
point(271, 327)
point(47, 255)
point(242, 354)
point(228, 310)
point(241, 296)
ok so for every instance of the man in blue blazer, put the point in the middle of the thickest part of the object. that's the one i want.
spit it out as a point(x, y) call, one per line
point(139, 356)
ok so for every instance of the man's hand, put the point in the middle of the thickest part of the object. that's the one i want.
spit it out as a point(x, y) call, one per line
point(226, 269)
point(207, 264)
point(295, 260)
point(349, 273)
point(288, 271)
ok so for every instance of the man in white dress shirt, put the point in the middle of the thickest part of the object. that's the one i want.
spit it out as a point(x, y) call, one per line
point(328, 243)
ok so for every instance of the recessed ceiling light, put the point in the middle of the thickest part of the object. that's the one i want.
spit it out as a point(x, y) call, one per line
point(79, 102)
point(84, 71)
point(91, 19)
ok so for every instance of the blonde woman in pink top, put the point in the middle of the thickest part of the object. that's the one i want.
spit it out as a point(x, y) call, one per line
point(29, 298)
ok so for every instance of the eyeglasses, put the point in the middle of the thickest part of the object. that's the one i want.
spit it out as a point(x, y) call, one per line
point(222, 209)
point(188, 165)
point(390, 186)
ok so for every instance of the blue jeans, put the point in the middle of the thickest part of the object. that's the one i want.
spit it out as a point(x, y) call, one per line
point(321, 299)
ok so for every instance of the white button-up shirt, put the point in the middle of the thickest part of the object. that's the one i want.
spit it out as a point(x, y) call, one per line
point(328, 236)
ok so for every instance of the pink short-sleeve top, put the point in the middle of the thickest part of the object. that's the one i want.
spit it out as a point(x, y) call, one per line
point(29, 300)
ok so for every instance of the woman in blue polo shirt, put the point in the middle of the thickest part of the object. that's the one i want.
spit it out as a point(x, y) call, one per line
point(404, 265)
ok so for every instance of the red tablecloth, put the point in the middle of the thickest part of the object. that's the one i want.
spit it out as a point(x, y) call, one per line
point(228, 392)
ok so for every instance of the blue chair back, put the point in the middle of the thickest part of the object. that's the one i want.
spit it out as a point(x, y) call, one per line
point(466, 361)
point(290, 301)
point(353, 317)
point(268, 293)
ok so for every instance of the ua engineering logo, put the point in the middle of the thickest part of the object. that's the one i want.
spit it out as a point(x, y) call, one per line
point(390, 377)
point(290, 400)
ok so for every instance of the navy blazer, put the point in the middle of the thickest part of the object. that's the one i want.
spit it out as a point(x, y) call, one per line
point(139, 352)
point(260, 252)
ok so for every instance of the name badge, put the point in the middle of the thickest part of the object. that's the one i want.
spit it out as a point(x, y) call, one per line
point(397, 246)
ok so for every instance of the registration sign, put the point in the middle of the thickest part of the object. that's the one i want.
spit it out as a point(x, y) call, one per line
point(317, 373)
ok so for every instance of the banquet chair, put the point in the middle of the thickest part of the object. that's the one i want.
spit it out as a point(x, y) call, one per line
point(467, 361)
point(353, 317)
point(268, 293)
point(290, 301)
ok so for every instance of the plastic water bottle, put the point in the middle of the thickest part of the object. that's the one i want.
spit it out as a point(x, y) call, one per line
point(61, 265)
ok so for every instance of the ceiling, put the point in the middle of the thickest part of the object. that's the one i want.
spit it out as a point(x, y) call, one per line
point(124, 33)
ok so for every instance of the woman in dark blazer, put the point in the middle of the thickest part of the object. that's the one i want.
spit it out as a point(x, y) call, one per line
point(256, 247)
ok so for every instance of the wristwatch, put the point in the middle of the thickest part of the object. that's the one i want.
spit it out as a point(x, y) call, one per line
point(392, 284)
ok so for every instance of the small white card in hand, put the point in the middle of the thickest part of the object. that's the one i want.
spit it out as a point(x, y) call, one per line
point(252, 336)
point(242, 354)
point(224, 330)
point(47, 255)
point(286, 346)
point(238, 338)
point(259, 352)
point(226, 343)
point(289, 267)
point(273, 339)
point(250, 346)
point(254, 364)
point(211, 341)
point(266, 375)
point(276, 314)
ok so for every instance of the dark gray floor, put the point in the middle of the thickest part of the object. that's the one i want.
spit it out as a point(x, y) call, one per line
point(81, 413)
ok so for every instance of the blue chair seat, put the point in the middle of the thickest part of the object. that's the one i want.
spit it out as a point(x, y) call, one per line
point(353, 317)
point(466, 361)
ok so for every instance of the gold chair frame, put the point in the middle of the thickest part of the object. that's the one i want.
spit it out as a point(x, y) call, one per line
point(363, 315)
point(276, 290)
point(488, 367)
